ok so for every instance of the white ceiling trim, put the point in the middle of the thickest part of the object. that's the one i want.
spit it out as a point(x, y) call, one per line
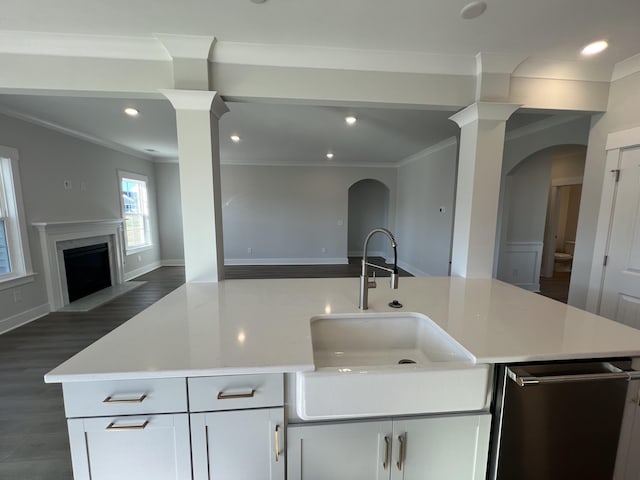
point(448, 142)
point(586, 70)
point(74, 133)
point(303, 56)
point(625, 68)
point(93, 46)
point(332, 164)
point(539, 126)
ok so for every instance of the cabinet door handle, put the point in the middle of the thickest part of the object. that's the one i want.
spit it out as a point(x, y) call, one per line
point(277, 442)
point(138, 399)
point(387, 452)
point(229, 396)
point(402, 440)
point(140, 426)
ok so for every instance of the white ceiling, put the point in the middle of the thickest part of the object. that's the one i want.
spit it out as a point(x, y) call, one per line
point(536, 33)
point(554, 29)
point(270, 133)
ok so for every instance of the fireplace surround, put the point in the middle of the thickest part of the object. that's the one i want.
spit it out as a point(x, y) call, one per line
point(56, 237)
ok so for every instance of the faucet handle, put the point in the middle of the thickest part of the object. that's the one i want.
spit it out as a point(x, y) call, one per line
point(372, 283)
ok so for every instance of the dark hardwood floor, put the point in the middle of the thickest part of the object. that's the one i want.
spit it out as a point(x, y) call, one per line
point(556, 287)
point(33, 432)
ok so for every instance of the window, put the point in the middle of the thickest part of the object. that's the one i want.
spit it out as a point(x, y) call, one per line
point(15, 261)
point(135, 210)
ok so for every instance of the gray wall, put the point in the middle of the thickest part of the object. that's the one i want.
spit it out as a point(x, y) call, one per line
point(47, 159)
point(368, 209)
point(169, 213)
point(423, 232)
point(289, 214)
point(622, 113)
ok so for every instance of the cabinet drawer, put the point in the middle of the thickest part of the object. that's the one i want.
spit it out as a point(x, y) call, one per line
point(235, 392)
point(125, 397)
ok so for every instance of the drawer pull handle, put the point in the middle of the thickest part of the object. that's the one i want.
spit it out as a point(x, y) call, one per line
point(139, 399)
point(229, 396)
point(112, 426)
point(277, 442)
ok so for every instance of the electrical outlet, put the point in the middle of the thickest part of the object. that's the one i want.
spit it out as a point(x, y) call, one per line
point(83, 186)
point(324, 250)
point(249, 250)
point(17, 296)
point(67, 185)
point(139, 258)
point(340, 223)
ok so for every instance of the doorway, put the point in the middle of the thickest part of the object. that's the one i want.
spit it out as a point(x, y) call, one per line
point(368, 209)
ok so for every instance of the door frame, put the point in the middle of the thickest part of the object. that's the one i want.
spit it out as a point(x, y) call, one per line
point(616, 143)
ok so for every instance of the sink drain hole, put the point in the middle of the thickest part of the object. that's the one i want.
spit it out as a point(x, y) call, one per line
point(406, 360)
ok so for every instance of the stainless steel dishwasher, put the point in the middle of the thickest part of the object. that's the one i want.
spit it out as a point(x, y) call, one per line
point(558, 420)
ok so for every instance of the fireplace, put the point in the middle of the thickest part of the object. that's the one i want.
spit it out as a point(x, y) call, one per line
point(80, 258)
point(87, 270)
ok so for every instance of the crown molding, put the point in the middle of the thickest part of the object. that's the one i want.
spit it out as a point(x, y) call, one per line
point(72, 45)
point(545, 68)
point(540, 126)
point(332, 164)
point(446, 143)
point(74, 133)
point(484, 111)
point(626, 67)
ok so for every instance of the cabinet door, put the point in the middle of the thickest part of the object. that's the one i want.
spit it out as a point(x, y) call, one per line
point(346, 451)
point(150, 447)
point(441, 448)
point(238, 445)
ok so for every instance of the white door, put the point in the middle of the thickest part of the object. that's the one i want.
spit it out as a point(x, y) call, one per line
point(341, 451)
point(238, 445)
point(441, 448)
point(621, 286)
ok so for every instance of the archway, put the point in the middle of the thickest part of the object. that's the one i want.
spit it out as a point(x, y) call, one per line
point(529, 226)
point(368, 208)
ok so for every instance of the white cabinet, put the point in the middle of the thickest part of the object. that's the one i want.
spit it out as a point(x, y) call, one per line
point(434, 448)
point(147, 447)
point(237, 427)
point(238, 444)
point(129, 429)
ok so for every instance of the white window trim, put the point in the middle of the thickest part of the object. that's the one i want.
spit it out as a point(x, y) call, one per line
point(20, 255)
point(143, 178)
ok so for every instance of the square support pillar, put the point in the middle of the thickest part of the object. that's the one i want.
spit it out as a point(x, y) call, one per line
point(197, 118)
point(480, 165)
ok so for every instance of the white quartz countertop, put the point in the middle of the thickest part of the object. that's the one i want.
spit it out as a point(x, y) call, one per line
point(262, 326)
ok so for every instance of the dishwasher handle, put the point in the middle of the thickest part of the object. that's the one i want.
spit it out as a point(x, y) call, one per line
point(523, 378)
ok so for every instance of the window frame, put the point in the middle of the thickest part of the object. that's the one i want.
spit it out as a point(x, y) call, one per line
point(122, 175)
point(15, 221)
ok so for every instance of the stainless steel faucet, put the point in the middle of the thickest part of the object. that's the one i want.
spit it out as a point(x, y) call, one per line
point(365, 283)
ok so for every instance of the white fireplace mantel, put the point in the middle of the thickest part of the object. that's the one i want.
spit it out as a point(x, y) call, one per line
point(53, 234)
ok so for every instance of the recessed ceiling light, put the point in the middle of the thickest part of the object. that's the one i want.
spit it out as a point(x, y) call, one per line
point(595, 47)
point(473, 10)
point(132, 112)
point(350, 120)
point(235, 138)
point(329, 155)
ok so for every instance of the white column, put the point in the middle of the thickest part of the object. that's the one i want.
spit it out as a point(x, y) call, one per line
point(480, 164)
point(197, 116)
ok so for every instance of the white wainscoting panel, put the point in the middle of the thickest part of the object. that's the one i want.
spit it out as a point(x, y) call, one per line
point(520, 264)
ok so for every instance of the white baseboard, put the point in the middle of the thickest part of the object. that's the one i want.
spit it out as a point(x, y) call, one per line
point(416, 272)
point(173, 263)
point(142, 270)
point(286, 261)
point(358, 253)
point(23, 318)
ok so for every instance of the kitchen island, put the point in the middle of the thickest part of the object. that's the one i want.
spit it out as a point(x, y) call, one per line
point(163, 365)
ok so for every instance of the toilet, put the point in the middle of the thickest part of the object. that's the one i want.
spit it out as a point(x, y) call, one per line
point(563, 260)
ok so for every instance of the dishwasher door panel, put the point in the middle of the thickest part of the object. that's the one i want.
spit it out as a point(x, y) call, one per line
point(560, 429)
